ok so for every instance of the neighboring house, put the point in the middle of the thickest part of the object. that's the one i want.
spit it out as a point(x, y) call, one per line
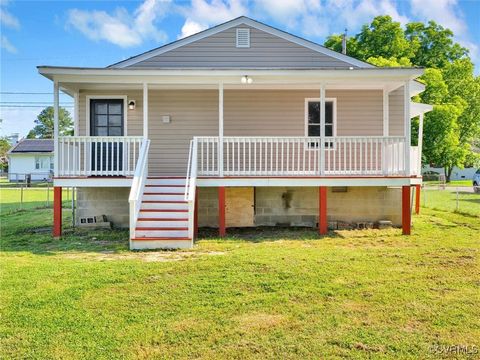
point(32, 157)
point(457, 173)
point(238, 125)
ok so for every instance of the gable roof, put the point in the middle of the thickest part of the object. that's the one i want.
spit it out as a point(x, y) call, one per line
point(33, 146)
point(243, 20)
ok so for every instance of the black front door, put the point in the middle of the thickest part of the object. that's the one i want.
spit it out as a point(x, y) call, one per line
point(107, 119)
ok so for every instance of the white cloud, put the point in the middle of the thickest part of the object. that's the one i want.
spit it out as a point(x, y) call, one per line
point(444, 12)
point(201, 14)
point(7, 19)
point(16, 120)
point(7, 45)
point(121, 28)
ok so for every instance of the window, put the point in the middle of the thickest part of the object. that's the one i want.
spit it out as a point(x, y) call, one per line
point(51, 162)
point(312, 109)
point(42, 163)
point(106, 117)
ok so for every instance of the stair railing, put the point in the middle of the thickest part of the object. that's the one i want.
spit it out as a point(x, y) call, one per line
point(138, 186)
point(191, 185)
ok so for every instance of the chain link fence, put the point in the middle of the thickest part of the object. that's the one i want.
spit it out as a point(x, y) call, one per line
point(456, 196)
point(21, 195)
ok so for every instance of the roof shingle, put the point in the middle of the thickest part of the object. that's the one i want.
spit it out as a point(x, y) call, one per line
point(33, 145)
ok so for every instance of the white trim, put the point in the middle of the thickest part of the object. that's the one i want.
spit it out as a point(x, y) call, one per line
point(386, 112)
point(145, 110)
point(330, 99)
point(106, 97)
point(56, 163)
point(237, 44)
point(407, 126)
point(234, 23)
point(76, 116)
point(220, 128)
point(93, 182)
point(292, 181)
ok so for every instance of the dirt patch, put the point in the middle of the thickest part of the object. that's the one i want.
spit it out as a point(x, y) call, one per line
point(259, 321)
point(150, 256)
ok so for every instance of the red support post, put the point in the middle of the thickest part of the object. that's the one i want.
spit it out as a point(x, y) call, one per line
point(322, 210)
point(221, 211)
point(417, 199)
point(195, 216)
point(57, 211)
point(406, 215)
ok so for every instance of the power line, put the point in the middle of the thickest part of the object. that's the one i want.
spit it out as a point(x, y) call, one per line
point(29, 102)
point(31, 106)
point(27, 93)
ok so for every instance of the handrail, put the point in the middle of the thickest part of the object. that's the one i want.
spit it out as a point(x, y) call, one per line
point(190, 185)
point(138, 185)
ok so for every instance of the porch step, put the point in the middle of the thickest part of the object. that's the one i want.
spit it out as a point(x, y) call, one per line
point(160, 232)
point(166, 181)
point(163, 215)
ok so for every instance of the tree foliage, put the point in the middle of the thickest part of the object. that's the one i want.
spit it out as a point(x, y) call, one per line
point(4, 147)
point(452, 129)
point(44, 124)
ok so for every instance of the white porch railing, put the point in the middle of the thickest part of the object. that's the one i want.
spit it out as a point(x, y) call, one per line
point(98, 155)
point(138, 186)
point(301, 156)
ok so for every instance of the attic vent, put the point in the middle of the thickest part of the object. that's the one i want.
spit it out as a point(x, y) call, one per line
point(243, 38)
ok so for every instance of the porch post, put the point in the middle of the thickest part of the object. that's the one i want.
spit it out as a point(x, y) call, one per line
point(322, 130)
point(220, 129)
point(221, 211)
point(322, 210)
point(56, 163)
point(406, 211)
point(420, 144)
point(407, 130)
point(76, 125)
point(145, 110)
point(417, 199)
point(57, 211)
point(386, 125)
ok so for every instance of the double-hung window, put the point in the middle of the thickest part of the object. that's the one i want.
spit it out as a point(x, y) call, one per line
point(312, 114)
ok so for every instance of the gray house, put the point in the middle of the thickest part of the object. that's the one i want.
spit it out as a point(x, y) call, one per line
point(239, 125)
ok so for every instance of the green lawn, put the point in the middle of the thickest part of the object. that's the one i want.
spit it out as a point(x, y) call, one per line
point(268, 295)
point(452, 183)
point(468, 203)
point(10, 199)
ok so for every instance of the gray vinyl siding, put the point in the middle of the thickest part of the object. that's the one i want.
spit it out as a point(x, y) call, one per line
point(220, 51)
point(246, 113)
point(282, 112)
point(396, 111)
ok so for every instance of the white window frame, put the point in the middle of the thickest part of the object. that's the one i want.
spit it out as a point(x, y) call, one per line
point(106, 97)
point(334, 124)
point(40, 160)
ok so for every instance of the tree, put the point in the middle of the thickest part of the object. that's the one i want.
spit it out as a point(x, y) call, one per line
point(4, 147)
point(44, 124)
point(452, 129)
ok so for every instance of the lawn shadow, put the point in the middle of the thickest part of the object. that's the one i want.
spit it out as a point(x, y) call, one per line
point(266, 233)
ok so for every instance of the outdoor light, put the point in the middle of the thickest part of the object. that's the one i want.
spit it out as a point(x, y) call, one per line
point(246, 79)
point(131, 104)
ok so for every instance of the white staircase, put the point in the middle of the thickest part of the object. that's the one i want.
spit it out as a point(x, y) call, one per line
point(163, 218)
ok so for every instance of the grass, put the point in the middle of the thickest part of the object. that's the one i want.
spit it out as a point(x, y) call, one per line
point(270, 294)
point(33, 198)
point(453, 183)
point(468, 203)
point(4, 183)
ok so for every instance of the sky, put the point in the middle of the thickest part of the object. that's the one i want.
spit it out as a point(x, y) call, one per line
point(99, 33)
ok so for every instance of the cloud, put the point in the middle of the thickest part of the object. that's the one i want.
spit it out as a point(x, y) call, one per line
point(444, 12)
point(7, 19)
point(7, 45)
point(202, 14)
point(120, 27)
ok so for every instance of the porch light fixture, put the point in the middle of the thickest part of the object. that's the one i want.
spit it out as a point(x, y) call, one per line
point(131, 105)
point(246, 79)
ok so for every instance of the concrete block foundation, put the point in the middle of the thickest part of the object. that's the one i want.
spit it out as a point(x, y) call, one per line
point(112, 202)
